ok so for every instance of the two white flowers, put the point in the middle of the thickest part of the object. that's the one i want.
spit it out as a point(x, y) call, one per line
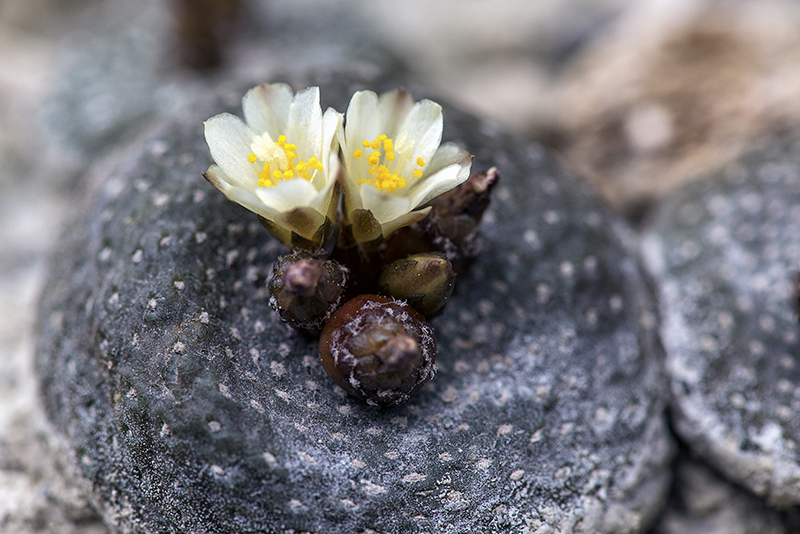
point(287, 161)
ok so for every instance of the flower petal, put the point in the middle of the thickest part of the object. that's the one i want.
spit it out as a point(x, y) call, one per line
point(362, 121)
point(407, 219)
point(288, 194)
point(392, 109)
point(331, 127)
point(384, 206)
point(228, 139)
point(305, 123)
point(266, 108)
point(448, 169)
point(242, 196)
point(424, 124)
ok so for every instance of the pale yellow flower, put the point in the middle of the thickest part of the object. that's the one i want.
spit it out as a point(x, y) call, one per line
point(281, 162)
point(394, 163)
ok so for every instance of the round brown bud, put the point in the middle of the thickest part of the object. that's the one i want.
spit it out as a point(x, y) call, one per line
point(378, 349)
point(424, 280)
point(304, 290)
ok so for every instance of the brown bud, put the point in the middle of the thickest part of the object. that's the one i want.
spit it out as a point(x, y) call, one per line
point(305, 291)
point(425, 280)
point(378, 349)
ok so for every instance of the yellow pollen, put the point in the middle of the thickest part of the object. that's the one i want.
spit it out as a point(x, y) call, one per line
point(395, 154)
point(284, 156)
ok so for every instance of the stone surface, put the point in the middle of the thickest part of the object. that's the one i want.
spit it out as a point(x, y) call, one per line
point(191, 408)
point(703, 502)
point(726, 255)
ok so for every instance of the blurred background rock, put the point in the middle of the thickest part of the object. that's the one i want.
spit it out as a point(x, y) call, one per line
point(638, 97)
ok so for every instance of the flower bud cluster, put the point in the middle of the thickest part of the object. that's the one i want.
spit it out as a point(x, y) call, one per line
point(366, 278)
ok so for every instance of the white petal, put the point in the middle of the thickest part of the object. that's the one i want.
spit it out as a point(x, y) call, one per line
point(392, 110)
point(228, 139)
point(441, 182)
point(331, 129)
point(449, 168)
point(304, 128)
point(240, 195)
point(287, 194)
point(424, 124)
point(384, 206)
point(266, 108)
point(362, 120)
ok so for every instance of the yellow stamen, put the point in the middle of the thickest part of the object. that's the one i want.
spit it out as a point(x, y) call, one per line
point(418, 173)
point(358, 153)
point(420, 162)
point(252, 158)
point(390, 156)
point(388, 145)
point(375, 144)
point(281, 141)
point(365, 143)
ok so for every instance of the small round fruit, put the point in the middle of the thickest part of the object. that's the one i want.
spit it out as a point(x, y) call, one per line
point(378, 349)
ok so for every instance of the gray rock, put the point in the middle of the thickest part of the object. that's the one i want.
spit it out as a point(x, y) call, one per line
point(726, 254)
point(191, 408)
point(703, 502)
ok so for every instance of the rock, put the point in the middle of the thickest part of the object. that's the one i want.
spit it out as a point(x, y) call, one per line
point(191, 408)
point(726, 254)
point(703, 502)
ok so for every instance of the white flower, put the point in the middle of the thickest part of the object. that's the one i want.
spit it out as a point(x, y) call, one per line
point(394, 163)
point(281, 162)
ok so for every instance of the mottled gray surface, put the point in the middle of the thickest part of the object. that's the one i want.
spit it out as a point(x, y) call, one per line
point(191, 408)
point(703, 502)
point(726, 254)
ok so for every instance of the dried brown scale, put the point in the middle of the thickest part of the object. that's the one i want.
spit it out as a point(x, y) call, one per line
point(378, 349)
point(305, 291)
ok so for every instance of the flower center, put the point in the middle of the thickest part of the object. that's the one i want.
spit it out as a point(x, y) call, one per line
point(278, 160)
point(384, 166)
